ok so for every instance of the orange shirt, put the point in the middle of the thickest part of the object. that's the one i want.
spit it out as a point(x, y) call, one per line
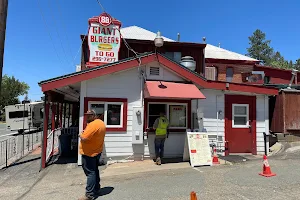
point(93, 136)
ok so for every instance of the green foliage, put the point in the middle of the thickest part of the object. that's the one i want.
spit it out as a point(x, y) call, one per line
point(260, 49)
point(11, 89)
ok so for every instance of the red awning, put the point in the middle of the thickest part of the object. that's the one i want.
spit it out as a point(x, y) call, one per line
point(160, 89)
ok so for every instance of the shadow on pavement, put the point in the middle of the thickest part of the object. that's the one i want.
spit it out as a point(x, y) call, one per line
point(171, 160)
point(238, 158)
point(106, 190)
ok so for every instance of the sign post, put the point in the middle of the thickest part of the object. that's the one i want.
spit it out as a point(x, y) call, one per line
point(104, 40)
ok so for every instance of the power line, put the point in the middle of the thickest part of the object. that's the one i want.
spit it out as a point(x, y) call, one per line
point(57, 31)
point(45, 23)
point(65, 30)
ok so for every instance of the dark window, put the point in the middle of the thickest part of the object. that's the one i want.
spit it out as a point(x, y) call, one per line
point(18, 114)
point(229, 74)
point(266, 79)
point(114, 114)
point(176, 56)
point(154, 110)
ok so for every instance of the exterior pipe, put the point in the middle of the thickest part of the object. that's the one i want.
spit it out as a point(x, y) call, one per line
point(265, 142)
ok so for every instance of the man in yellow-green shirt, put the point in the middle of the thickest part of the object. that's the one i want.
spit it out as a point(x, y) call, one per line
point(160, 126)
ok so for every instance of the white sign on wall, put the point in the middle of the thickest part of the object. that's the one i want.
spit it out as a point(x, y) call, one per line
point(199, 149)
point(104, 40)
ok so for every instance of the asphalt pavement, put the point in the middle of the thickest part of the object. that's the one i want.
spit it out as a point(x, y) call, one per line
point(238, 181)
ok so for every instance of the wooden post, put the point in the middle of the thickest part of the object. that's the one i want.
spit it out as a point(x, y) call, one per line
point(3, 17)
point(60, 115)
point(65, 107)
point(45, 132)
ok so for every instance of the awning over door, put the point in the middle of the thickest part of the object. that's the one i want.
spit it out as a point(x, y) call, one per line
point(161, 89)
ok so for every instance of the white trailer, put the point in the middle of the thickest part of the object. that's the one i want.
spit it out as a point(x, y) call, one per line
point(26, 116)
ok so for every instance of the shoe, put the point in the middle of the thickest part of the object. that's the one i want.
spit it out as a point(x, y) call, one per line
point(86, 198)
point(158, 161)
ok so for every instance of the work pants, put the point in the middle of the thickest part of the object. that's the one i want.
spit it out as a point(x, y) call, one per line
point(159, 147)
point(90, 168)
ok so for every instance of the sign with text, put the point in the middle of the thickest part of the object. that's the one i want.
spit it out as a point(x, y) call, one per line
point(199, 149)
point(104, 39)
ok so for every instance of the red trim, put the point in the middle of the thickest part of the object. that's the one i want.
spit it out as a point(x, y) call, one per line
point(117, 67)
point(189, 111)
point(225, 61)
point(45, 135)
point(229, 100)
point(125, 113)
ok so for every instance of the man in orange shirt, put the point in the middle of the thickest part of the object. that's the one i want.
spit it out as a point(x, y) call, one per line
point(90, 147)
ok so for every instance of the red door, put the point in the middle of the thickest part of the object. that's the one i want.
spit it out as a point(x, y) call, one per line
point(240, 124)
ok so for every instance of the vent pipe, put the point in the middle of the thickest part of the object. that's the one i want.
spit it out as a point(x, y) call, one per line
point(294, 74)
point(178, 37)
point(204, 40)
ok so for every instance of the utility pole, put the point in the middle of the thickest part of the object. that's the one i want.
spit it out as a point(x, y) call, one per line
point(3, 17)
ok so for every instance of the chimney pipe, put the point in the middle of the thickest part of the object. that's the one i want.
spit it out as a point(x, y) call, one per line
point(204, 40)
point(294, 74)
point(219, 45)
point(178, 37)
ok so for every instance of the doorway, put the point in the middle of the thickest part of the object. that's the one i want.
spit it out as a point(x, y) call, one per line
point(240, 124)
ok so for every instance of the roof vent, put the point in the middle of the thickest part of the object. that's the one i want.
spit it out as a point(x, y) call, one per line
point(154, 71)
point(188, 62)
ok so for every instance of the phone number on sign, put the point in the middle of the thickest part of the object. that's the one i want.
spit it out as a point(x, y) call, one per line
point(103, 59)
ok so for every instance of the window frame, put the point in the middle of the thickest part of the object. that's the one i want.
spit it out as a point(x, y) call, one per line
point(229, 76)
point(107, 101)
point(246, 115)
point(168, 113)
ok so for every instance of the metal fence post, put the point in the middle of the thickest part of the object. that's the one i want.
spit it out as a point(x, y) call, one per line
point(23, 146)
point(6, 155)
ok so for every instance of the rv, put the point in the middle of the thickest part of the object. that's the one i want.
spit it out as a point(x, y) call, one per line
point(20, 117)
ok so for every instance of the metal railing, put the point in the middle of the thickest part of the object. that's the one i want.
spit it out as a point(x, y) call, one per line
point(15, 146)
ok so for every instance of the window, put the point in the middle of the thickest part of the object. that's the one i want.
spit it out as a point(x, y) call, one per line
point(211, 73)
point(110, 112)
point(240, 115)
point(229, 74)
point(176, 56)
point(18, 114)
point(175, 112)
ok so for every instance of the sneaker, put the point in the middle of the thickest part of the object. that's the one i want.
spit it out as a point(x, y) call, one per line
point(86, 198)
point(158, 161)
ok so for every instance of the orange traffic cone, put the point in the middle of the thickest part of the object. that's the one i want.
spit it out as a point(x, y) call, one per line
point(266, 168)
point(193, 196)
point(215, 157)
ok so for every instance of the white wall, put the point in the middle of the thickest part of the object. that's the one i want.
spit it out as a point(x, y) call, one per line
point(215, 101)
point(125, 84)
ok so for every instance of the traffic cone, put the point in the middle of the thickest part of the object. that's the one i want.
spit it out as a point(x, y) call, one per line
point(266, 168)
point(215, 157)
point(193, 196)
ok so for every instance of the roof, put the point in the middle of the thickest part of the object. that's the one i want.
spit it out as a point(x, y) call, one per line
point(213, 52)
point(138, 33)
point(146, 58)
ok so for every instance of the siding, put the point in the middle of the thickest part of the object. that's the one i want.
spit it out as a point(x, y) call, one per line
point(215, 102)
point(125, 84)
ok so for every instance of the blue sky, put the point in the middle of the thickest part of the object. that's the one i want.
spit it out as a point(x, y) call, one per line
point(31, 55)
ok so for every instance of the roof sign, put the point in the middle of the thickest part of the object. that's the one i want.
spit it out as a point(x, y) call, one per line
point(104, 39)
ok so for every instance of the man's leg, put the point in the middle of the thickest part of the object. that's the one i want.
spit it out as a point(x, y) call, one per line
point(162, 147)
point(89, 165)
point(157, 145)
point(98, 174)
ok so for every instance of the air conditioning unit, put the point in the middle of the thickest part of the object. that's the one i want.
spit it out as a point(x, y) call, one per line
point(256, 77)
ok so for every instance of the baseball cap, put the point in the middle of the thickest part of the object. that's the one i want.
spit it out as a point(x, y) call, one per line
point(90, 112)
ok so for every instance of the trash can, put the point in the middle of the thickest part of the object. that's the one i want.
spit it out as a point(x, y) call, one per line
point(65, 145)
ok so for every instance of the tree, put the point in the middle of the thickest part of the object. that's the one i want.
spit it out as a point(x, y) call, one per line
point(260, 47)
point(11, 89)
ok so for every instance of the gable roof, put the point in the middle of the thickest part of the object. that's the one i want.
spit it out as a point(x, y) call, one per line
point(211, 51)
point(129, 63)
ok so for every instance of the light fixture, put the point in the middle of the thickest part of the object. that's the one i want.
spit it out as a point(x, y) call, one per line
point(158, 41)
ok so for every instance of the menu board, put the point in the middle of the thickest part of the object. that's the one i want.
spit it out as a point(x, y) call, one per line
point(199, 149)
point(177, 115)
